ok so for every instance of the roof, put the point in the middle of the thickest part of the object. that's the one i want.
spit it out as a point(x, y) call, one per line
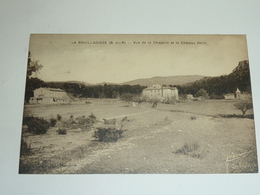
point(52, 89)
point(156, 87)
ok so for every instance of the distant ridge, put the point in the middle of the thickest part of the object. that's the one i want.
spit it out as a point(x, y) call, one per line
point(76, 82)
point(105, 83)
point(171, 80)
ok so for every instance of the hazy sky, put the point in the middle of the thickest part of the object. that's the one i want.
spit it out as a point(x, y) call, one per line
point(91, 58)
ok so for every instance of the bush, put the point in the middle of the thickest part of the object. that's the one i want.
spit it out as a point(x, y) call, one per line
point(202, 93)
point(216, 97)
point(62, 131)
point(86, 123)
point(92, 116)
point(36, 125)
point(71, 121)
point(25, 148)
point(171, 100)
point(140, 99)
point(109, 121)
point(191, 149)
point(250, 116)
point(53, 122)
point(108, 134)
point(154, 102)
point(127, 97)
point(58, 117)
point(183, 98)
point(79, 122)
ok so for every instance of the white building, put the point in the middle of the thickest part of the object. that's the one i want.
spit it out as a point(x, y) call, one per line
point(49, 95)
point(160, 92)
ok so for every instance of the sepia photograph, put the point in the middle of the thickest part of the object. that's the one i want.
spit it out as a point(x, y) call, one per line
point(138, 104)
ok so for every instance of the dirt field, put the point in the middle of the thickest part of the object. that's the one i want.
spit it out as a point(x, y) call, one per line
point(183, 138)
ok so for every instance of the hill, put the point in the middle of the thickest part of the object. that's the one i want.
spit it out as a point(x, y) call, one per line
point(238, 78)
point(171, 80)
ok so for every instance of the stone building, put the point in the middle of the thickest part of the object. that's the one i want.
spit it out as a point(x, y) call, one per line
point(49, 95)
point(160, 92)
point(238, 95)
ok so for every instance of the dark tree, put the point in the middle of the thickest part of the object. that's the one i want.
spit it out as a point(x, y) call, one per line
point(244, 106)
point(32, 83)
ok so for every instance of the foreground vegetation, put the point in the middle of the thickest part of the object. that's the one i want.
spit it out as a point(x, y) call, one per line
point(191, 133)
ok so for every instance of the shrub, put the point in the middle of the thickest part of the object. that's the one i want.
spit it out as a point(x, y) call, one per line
point(216, 97)
point(71, 120)
point(62, 131)
point(53, 122)
point(140, 99)
point(109, 121)
point(202, 93)
point(125, 119)
point(36, 125)
point(171, 100)
point(25, 148)
point(250, 116)
point(183, 98)
point(154, 102)
point(58, 117)
point(63, 126)
point(190, 149)
point(110, 134)
point(86, 123)
point(127, 97)
point(92, 116)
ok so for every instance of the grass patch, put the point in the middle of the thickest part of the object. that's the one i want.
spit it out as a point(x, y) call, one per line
point(84, 123)
point(191, 149)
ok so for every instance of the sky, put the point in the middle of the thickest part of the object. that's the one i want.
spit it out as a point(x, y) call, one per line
point(121, 58)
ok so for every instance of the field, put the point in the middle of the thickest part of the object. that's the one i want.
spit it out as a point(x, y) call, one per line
point(188, 137)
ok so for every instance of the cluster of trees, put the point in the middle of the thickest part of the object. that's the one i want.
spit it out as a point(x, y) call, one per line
point(75, 89)
point(96, 91)
point(32, 82)
point(213, 87)
point(217, 86)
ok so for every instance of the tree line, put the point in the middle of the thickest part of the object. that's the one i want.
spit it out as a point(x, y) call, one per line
point(95, 91)
point(214, 87)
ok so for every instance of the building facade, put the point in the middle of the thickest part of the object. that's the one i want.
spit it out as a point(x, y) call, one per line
point(160, 92)
point(49, 95)
point(238, 95)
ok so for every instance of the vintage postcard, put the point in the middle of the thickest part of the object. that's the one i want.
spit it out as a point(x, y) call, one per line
point(138, 104)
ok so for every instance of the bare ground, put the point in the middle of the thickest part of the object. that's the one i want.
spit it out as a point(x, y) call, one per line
point(151, 142)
